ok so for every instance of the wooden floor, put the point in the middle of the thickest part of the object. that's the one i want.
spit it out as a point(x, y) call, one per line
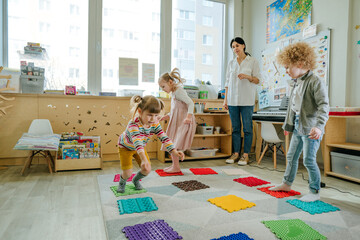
point(66, 205)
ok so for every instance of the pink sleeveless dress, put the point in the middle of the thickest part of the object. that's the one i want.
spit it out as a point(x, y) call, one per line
point(180, 133)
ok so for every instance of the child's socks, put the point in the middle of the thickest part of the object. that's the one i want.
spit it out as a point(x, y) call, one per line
point(122, 184)
point(311, 197)
point(136, 180)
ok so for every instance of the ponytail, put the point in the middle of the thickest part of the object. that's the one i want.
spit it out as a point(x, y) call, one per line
point(149, 103)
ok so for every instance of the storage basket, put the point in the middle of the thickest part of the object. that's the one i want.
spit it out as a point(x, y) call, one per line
point(130, 92)
point(206, 130)
point(32, 84)
point(201, 152)
point(346, 163)
point(194, 94)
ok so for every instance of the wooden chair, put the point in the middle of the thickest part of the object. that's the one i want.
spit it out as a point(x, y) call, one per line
point(270, 136)
point(39, 139)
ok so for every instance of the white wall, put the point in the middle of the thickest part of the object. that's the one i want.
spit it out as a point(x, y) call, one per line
point(341, 17)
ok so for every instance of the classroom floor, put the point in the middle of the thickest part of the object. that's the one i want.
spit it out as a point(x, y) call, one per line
point(66, 205)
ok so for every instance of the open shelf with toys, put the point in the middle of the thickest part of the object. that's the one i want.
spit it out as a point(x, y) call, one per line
point(218, 143)
point(77, 152)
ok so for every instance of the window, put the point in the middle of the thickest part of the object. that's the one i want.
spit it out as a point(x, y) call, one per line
point(74, 9)
point(207, 21)
point(207, 3)
point(184, 54)
point(206, 77)
point(185, 34)
point(128, 31)
point(74, 52)
point(207, 59)
point(155, 17)
point(207, 40)
point(133, 55)
point(74, 30)
point(108, 32)
point(188, 40)
point(44, 27)
point(186, 15)
point(108, 73)
point(44, 5)
point(155, 37)
point(66, 57)
point(74, 73)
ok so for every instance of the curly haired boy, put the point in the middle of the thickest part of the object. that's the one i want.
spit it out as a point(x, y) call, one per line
point(306, 116)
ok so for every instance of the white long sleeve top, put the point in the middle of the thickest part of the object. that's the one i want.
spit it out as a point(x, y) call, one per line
point(242, 92)
point(181, 95)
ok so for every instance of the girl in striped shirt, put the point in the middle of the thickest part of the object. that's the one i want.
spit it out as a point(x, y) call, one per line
point(133, 140)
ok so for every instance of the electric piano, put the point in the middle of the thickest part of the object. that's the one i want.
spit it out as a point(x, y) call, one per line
point(273, 114)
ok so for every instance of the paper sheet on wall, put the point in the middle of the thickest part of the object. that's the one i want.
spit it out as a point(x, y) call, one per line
point(128, 71)
point(148, 72)
point(274, 77)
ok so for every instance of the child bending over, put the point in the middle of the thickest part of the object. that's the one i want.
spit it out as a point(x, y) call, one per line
point(133, 140)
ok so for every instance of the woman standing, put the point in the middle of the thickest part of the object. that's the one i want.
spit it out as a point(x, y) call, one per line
point(242, 76)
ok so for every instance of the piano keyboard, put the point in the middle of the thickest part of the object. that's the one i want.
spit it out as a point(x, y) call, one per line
point(273, 116)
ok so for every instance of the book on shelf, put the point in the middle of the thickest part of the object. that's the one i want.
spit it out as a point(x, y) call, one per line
point(61, 92)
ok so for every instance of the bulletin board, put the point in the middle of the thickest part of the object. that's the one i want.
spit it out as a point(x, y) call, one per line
point(275, 82)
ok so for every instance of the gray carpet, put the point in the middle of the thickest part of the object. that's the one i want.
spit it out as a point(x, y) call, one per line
point(193, 217)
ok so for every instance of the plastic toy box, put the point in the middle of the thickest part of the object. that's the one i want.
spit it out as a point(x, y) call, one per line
point(346, 162)
point(206, 130)
point(201, 152)
point(194, 94)
point(32, 84)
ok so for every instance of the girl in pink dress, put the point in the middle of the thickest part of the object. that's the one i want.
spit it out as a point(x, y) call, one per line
point(182, 125)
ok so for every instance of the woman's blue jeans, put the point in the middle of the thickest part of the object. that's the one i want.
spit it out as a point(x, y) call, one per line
point(246, 113)
point(302, 143)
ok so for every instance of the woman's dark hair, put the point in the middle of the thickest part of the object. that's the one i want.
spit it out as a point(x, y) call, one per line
point(241, 41)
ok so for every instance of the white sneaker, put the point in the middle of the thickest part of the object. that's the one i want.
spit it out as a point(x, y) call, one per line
point(233, 158)
point(243, 160)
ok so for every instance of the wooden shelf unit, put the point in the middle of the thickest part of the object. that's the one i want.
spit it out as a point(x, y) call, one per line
point(78, 164)
point(220, 141)
point(335, 138)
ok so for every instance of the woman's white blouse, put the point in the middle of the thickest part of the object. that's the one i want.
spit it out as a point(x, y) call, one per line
point(241, 92)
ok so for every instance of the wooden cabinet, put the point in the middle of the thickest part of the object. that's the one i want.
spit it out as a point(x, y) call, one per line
point(334, 139)
point(220, 141)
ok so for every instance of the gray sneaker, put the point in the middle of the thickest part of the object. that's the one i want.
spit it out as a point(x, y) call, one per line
point(243, 160)
point(233, 158)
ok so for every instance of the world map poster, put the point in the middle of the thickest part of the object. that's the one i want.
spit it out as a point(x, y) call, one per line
point(287, 17)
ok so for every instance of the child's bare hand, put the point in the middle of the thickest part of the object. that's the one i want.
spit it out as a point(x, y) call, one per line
point(225, 105)
point(286, 133)
point(187, 120)
point(180, 154)
point(145, 166)
point(166, 117)
point(315, 133)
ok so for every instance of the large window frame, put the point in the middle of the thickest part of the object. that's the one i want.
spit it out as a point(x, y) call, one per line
point(94, 39)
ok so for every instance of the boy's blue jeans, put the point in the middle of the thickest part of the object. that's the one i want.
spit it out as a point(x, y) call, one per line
point(246, 116)
point(302, 143)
